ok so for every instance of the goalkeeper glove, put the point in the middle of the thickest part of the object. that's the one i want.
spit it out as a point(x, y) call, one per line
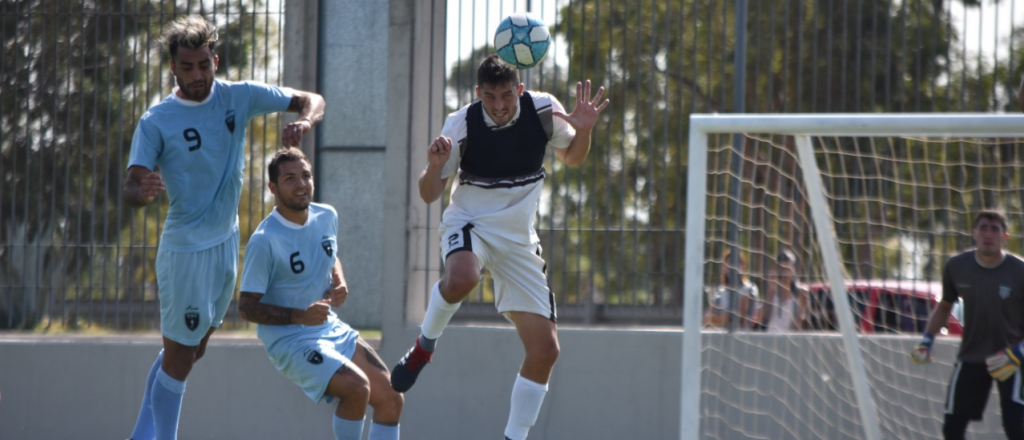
point(922, 353)
point(1004, 363)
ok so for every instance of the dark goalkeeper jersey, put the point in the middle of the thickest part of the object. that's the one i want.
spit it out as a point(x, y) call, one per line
point(993, 301)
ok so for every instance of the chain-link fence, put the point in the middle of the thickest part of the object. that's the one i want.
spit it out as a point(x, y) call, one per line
point(612, 230)
point(75, 77)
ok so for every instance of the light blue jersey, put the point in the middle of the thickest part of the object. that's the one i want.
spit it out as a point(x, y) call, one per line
point(290, 265)
point(199, 147)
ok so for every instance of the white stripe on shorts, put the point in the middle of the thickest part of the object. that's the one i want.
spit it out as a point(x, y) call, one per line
point(951, 393)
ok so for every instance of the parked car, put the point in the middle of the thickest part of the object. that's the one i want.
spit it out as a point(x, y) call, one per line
point(884, 306)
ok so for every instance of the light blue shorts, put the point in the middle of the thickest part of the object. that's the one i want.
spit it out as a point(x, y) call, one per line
point(310, 359)
point(195, 289)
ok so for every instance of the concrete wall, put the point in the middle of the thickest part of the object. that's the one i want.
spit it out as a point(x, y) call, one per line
point(353, 78)
point(608, 384)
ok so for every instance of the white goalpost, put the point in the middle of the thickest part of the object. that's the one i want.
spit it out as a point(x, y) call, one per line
point(871, 205)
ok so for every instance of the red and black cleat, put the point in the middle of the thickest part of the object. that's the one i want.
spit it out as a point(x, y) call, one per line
point(404, 375)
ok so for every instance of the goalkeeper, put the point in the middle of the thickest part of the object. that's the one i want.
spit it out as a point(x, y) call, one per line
point(990, 281)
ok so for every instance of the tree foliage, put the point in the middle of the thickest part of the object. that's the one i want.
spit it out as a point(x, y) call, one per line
point(613, 227)
point(75, 78)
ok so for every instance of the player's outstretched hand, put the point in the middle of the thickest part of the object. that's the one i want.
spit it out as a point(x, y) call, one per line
point(294, 131)
point(922, 353)
point(584, 115)
point(315, 314)
point(1005, 362)
point(438, 152)
point(151, 186)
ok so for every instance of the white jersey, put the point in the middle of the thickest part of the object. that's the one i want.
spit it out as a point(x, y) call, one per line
point(722, 297)
point(504, 206)
point(782, 317)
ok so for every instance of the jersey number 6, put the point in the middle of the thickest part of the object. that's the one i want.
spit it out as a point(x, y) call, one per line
point(297, 265)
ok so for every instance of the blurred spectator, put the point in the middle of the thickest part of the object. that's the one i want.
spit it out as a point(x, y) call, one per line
point(785, 307)
point(735, 299)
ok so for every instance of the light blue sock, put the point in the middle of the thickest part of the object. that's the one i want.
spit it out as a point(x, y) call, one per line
point(383, 432)
point(167, 394)
point(144, 424)
point(348, 429)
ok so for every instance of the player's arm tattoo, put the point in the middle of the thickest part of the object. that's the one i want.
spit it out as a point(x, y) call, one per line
point(371, 356)
point(252, 310)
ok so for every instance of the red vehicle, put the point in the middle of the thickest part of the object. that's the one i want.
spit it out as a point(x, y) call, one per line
point(884, 306)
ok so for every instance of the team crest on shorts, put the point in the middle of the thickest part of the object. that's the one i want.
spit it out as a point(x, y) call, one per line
point(326, 244)
point(1004, 292)
point(191, 318)
point(314, 357)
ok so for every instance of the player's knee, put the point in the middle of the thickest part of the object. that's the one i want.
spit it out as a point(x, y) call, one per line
point(359, 392)
point(178, 363)
point(544, 354)
point(388, 404)
point(350, 386)
point(458, 285)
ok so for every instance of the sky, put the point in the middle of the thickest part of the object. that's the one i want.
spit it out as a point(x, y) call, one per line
point(986, 28)
point(471, 23)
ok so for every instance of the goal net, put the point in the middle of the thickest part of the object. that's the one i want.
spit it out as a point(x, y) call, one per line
point(861, 211)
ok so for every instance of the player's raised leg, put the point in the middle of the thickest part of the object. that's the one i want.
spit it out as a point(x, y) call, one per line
point(462, 274)
point(539, 335)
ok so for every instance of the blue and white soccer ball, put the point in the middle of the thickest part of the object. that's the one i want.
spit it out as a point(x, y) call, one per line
point(522, 40)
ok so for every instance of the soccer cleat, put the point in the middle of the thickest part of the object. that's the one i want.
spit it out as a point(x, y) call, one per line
point(404, 375)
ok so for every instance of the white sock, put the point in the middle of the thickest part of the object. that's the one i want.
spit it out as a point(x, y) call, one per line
point(527, 397)
point(439, 312)
point(347, 429)
point(383, 432)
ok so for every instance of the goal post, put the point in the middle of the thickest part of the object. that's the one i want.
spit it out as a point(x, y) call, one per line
point(876, 199)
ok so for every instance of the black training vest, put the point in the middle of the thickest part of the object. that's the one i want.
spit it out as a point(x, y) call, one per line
point(510, 151)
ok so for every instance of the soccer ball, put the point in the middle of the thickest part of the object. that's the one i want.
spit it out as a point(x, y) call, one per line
point(522, 40)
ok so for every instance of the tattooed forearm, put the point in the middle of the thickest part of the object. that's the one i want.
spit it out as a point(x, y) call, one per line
point(372, 357)
point(252, 310)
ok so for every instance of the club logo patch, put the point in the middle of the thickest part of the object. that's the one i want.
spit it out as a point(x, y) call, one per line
point(1004, 292)
point(191, 318)
point(314, 357)
point(229, 120)
point(328, 248)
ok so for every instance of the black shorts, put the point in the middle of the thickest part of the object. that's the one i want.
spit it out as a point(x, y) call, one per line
point(970, 386)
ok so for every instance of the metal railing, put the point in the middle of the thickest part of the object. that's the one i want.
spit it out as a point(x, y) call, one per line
point(75, 78)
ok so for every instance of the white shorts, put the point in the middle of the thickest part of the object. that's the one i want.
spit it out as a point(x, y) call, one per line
point(518, 271)
point(311, 359)
point(195, 289)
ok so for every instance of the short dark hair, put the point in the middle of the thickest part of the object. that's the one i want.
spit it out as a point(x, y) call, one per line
point(991, 215)
point(282, 157)
point(191, 32)
point(494, 71)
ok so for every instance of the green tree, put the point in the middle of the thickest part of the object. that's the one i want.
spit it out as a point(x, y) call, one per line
point(75, 80)
point(666, 60)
